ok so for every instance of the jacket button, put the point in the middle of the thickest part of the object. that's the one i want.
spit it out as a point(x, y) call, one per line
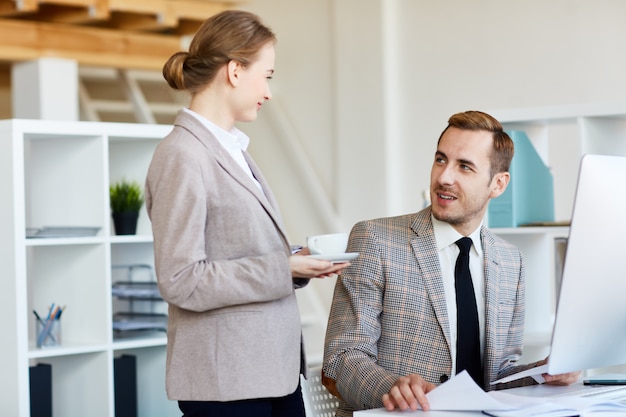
point(443, 378)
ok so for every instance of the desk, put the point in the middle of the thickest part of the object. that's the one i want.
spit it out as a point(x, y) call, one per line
point(545, 391)
point(383, 413)
point(576, 389)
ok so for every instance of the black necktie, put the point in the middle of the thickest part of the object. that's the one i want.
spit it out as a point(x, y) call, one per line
point(467, 341)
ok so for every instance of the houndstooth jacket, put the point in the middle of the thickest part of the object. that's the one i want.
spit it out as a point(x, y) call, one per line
point(389, 318)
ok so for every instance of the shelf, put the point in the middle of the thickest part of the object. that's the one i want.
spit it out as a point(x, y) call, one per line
point(537, 115)
point(64, 241)
point(556, 231)
point(58, 174)
point(138, 342)
point(66, 350)
point(131, 239)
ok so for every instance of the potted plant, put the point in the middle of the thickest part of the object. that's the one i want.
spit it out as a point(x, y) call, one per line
point(126, 198)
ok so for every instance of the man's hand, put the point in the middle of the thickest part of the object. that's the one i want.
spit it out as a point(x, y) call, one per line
point(560, 379)
point(408, 392)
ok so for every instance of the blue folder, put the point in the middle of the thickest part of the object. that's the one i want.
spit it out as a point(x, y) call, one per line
point(529, 198)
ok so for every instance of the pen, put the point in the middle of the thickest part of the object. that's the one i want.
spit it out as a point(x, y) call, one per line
point(50, 311)
point(61, 310)
point(43, 333)
point(37, 316)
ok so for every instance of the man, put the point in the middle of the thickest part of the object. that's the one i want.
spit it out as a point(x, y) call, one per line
point(392, 331)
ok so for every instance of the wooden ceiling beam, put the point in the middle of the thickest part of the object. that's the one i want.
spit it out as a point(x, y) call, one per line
point(12, 7)
point(181, 17)
point(194, 9)
point(26, 40)
point(72, 14)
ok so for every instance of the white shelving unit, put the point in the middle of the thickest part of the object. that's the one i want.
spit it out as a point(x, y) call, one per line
point(561, 135)
point(58, 174)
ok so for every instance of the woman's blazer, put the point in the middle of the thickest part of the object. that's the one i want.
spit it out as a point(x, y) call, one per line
point(221, 258)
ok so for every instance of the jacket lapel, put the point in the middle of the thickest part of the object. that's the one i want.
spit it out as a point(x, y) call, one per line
point(265, 197)
point(492, 297)
point(427, 256)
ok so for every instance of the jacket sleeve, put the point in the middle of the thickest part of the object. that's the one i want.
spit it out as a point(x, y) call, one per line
point(350, 369)
point(215, 244)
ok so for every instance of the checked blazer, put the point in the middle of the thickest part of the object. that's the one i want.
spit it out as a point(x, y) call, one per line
point(389, 317)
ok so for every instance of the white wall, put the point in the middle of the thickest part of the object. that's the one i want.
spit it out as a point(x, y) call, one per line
point(491, 54)
point(368, 86)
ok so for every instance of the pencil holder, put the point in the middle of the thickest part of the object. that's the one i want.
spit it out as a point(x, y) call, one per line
point(48, 333)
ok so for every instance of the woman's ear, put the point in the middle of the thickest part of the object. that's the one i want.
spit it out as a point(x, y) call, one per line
point(499, 184)
point(232, 69)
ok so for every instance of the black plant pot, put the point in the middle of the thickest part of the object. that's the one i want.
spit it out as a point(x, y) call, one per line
point(125, 223)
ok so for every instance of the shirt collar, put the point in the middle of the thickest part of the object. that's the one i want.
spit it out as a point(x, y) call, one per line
point(446, 235)
point(234, 139)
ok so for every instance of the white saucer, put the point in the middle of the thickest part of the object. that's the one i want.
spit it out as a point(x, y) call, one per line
point(337, 257)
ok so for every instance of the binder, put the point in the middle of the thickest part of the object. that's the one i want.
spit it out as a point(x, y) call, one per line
point(40, 377)
point(529, 197)
point(125, 380)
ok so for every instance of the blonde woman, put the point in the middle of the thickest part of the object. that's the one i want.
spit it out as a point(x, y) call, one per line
point(223, 261)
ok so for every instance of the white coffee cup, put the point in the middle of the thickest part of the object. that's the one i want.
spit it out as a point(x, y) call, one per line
point(329, 244)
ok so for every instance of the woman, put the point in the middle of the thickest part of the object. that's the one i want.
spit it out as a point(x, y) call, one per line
point(223, 261)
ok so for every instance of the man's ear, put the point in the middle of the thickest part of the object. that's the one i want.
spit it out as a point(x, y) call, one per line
point(232, 70)
point(499, 184)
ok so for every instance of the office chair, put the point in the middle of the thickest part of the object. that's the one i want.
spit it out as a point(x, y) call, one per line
point(318, 402)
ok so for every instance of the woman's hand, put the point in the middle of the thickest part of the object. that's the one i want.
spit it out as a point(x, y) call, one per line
point(303, 266)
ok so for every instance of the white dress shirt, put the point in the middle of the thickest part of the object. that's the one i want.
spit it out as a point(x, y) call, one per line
point(235, 142)
point(446, 236)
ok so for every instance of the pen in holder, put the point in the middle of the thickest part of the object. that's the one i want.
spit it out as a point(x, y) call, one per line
point(49, 329)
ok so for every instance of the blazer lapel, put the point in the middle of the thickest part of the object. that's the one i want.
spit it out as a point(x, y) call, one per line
point(427, 256)
point(265, 197)
point(492, 297)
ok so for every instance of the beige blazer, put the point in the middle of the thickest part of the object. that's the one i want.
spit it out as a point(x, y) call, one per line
point(221, 258)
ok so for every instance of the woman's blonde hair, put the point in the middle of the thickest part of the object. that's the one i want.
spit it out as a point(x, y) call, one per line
point(232, 35)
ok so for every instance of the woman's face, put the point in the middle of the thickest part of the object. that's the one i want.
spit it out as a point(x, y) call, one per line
point(253, 85)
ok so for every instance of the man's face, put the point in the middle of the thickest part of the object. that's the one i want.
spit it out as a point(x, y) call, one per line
point(460, 182)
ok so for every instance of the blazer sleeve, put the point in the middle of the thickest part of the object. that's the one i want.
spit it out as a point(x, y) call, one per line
point(350, 369)
point(215, 244)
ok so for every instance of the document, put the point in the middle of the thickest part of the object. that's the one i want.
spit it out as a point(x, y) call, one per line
point(536, 373)
point(460, 393)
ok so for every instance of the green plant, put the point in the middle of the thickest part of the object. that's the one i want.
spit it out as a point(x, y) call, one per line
point(126, 196)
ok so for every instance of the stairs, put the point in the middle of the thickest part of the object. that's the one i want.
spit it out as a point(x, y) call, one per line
point(131, 96)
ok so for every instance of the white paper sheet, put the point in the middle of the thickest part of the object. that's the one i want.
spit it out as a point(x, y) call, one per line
point(534, 372)
point(460, 393)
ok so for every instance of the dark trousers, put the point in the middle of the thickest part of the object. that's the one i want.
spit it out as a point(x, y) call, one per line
point(288, 406)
